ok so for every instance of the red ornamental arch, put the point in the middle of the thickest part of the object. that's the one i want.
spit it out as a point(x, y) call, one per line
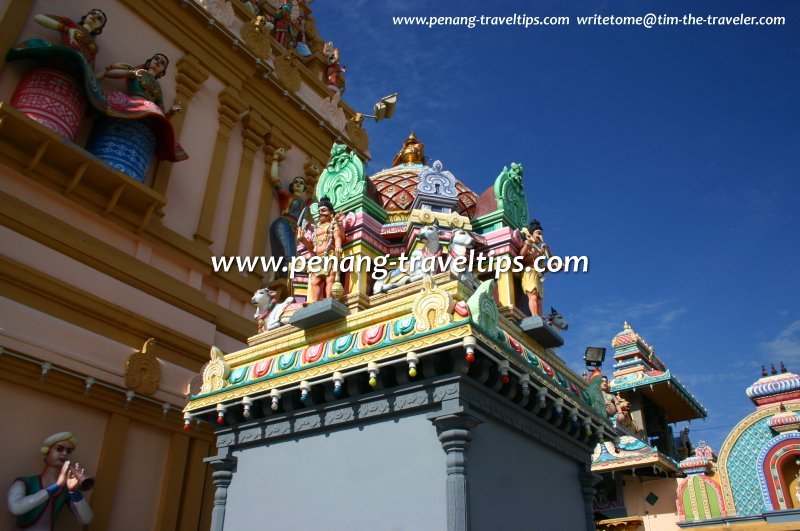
point(777, 485)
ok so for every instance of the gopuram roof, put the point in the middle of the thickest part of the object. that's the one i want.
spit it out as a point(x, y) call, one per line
point(638, 368)
point(378, 334)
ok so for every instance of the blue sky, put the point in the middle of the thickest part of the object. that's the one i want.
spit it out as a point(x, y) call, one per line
point(669, 156)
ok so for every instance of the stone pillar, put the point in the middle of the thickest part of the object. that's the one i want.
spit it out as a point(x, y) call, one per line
point(266, 199)
point(224, 467)
point(191, 75)
point(230, 107)
point(252, 138)
point(455, 433)
point(588, 481)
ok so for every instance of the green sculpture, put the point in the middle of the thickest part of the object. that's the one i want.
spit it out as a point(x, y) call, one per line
point(343, 179)
point(510, 195)
point(483, 308)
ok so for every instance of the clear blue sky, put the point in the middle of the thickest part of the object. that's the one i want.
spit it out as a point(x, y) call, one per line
point(669, 156)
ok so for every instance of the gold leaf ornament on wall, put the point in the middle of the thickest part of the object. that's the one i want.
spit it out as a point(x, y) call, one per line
point(142, 369)
point(433, 307)
point(286, 71)
point(216, 372)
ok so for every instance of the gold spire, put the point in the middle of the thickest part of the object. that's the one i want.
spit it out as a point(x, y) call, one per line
point(413, 152)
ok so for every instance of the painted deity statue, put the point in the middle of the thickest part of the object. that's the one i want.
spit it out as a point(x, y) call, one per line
point(282, 232)
point(334, 71)
point(328, 238)
point(618, 409)
point(145, 101)
point(75, 52)
point(36, 501)
point(533, 248)
point(288, 20)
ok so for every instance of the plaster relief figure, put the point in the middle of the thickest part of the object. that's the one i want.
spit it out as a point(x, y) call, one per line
point(37, 500)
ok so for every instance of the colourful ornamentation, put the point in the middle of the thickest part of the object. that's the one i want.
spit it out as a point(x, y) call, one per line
point(52, 98)
point(483, 308)
point(237, 375)
point(343, 344)
point(215, 373)
point(510, 195)
point(287, 361)
point(373, 335)
point(313, 353)
point(261, 368)
point(516, 345)
point(343, 179)
point(433, 307)
point(403, 326)
point(124, 145)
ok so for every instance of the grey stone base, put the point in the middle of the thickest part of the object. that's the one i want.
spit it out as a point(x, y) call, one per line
point(448, 446)
point(319, 313)
point(541, 332)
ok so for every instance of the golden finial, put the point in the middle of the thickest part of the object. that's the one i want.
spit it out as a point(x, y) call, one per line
point(626, 326)
point(413, 152)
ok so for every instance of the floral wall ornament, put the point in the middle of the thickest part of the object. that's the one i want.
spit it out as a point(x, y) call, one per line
point(510, 195)
point(433, 307)
point(142, 369)
point(343, 179)
point(255, 35)
point(358, 135)
point(332, 112)
point(222, 10)
point(215, 373)
point(286, 71)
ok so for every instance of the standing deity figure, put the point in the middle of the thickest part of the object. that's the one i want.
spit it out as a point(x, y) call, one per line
point(533, 248)
point(37, 500)
point(288, 20)
point(144, 102)
point(333, 73)
point(328, 237)
point(282, 232)
point(55, 94)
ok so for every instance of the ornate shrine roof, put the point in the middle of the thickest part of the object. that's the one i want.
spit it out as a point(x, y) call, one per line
point(776, 387)
point(398, 186)
point(629, 453)
point(638, 369)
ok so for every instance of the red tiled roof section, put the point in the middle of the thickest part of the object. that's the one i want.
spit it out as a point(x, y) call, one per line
point(397, 190)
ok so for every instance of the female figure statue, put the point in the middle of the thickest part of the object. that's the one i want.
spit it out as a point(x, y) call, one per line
point(282, 232)
point(56, 95)
point(144, 99)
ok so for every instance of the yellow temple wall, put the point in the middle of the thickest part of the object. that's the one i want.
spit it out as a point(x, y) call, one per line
point(659, 517)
